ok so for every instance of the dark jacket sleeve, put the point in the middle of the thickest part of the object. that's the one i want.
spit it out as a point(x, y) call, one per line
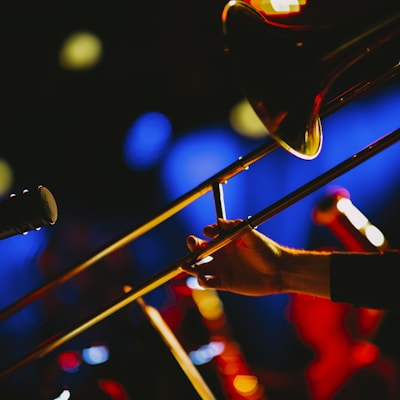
point(366, 280)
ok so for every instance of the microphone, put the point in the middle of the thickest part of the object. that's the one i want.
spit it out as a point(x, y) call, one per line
point(27, 211)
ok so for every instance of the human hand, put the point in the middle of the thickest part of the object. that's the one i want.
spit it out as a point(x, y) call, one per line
point(249, 265)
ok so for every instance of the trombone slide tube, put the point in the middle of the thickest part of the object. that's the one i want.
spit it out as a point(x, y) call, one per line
point(176, 268)
point(242, 164)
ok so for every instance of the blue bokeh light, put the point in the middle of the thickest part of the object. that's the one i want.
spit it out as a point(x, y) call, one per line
point(147, 140)
point(194, 158)
point(202, 153)
point(199, 154)
point(19, 274)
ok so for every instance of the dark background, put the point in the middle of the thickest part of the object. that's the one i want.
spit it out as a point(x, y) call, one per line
point(64, 129)
point(157, 56)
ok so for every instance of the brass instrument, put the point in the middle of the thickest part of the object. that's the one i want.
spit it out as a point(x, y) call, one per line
point(288, 72)
point(329, 73)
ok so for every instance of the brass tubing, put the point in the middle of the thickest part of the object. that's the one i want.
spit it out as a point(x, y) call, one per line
point(238, 166)
point(176, 268)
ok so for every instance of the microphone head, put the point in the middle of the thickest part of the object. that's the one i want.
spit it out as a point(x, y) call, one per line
point(27, 211)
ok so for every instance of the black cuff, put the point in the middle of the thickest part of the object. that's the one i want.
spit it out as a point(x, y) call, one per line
point(366, 280)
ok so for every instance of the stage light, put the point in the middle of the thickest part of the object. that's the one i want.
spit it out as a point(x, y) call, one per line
point(361, 222)
point(193, 158)
point(208, 304)
point(114, 389)
point(95, 354)
point(355, 216)
point(80, 50)
point(6, 177)
point(246, 384)
point(19, 254)
point(147, 140)
point(69, 361)
point(375, 236)
point(206, 353)
point(244, 120)
point(272, 7)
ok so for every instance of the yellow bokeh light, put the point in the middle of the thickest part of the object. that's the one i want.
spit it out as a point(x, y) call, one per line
point(244, 120)
point(208, 304)
point(6, 177)
point(80, 50)
point(271, 7)
point(246, 384)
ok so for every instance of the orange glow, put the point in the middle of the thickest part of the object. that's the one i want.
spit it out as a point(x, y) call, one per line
point(127, 288)
point(274, 7)
point(208, 304)
point(237, 380)
point(246, 384)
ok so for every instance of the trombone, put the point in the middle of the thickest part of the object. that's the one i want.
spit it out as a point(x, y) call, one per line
point(291, 106)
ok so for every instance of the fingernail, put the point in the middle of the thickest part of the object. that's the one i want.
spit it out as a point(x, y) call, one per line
point(205, 260)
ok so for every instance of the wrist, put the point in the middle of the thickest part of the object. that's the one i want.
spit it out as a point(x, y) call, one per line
point(306, 272)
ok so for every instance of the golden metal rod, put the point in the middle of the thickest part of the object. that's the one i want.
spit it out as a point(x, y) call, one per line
point(238, 166)
point(65, 336)
point(176, 268)
point(177, 351)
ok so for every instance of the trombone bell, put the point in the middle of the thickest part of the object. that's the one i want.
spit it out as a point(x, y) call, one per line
point(286, 71)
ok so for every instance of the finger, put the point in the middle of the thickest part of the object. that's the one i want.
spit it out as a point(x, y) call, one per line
point(201, 267)
point(208, 281)
point(228, 223)
point(193, 242)
point(213, 230)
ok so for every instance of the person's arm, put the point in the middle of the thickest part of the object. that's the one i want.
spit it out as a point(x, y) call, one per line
point(306, 271)
point(255, 265)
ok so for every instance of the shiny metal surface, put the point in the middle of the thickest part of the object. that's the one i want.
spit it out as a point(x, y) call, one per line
point(294, 75)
